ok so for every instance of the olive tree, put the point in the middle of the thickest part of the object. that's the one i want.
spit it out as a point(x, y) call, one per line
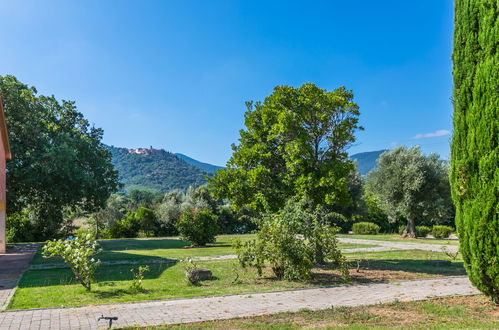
point(409, 184)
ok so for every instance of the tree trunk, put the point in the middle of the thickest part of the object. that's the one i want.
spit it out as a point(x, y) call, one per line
point(410, 230)
point(319, 254)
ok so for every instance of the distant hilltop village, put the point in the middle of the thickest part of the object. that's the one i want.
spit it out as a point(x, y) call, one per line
point(143, 151)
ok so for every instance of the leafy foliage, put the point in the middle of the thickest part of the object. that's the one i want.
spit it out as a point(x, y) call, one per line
point(422, 231)
point(475, 143)
point(294, 144)
point(441, 231)
point(19, 227)
point(367, 228)
point(59, 161)
point(198, 226)
point(78, 253)
point(116, 208)
point(138, 278)
point(288, 246)
point(127, 227)
point(411, 185)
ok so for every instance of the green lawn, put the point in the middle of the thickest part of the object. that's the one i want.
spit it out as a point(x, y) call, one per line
point(56, 287)
point(471, 312)
point(397, 238)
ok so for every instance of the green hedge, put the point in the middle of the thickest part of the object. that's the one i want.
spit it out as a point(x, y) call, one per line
point(441, 231)
point(366, 228)
point(422, 231)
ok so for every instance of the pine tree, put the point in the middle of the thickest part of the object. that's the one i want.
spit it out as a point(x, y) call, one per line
point(475, 150)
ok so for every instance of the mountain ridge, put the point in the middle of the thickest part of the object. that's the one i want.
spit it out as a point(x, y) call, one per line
point(161, 170)
point(209, 168)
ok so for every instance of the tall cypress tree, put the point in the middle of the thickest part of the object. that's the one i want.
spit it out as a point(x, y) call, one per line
point(475, 142)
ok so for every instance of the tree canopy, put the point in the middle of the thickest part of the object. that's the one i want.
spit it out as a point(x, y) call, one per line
point(294, 143)
point(411, 185)
point(58, 159)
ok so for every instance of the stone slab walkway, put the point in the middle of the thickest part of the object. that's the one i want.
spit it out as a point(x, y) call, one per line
point(224, 307)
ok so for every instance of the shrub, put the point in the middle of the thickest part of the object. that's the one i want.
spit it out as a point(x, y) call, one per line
point(422, 231)
point(367, 228)
point(127, 227)
point(19, 227)
point(147, 220)
point(169, 213)
point(441, 231)
point(78, 253)
point(198, 226)
point(288, 245)
point(138, 277)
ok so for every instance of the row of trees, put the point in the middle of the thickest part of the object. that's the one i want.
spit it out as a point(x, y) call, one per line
point(148, 214)
point(295, 146)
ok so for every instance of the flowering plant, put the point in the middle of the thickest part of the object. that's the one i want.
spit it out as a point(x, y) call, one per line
point(78, 253)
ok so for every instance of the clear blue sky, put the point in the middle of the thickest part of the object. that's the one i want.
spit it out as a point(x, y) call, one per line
point(176, 74)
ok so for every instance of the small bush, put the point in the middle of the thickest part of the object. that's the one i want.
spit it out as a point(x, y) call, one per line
point(289, 247)
point(198, 226)
point(19, 227)
point(147, 220)
point(366, 228)
point(441, 231)
point(78, 253)
point(128, 227)
point(138, 277)
point(422, 231)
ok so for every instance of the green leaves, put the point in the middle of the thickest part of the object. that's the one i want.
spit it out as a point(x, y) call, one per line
point(288, 241)
point(411, 185)
point(78, 253)
point(294, 144)
point(475, 144)
point(58, 160)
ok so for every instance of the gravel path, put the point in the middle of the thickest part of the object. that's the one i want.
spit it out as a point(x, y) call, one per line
point(398, 245)
point(224, 307)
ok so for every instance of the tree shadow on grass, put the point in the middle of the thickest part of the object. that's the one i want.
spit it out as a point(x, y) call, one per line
point(143, 244)
point(104, 274)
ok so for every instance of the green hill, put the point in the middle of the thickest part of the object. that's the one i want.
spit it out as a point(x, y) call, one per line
point(366, 161)
point(204, 166)
point(154, 169)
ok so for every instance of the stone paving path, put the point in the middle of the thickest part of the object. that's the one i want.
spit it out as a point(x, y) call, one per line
point(224, 307)
point(12, 265)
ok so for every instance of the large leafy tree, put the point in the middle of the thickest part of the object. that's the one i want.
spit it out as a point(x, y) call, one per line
point(58, 159)
point(294, 143)
point(411, 185)
point(475, 142)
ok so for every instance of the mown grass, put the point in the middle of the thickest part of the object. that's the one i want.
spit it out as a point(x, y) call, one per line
point(56, 287)
point(470, 312)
